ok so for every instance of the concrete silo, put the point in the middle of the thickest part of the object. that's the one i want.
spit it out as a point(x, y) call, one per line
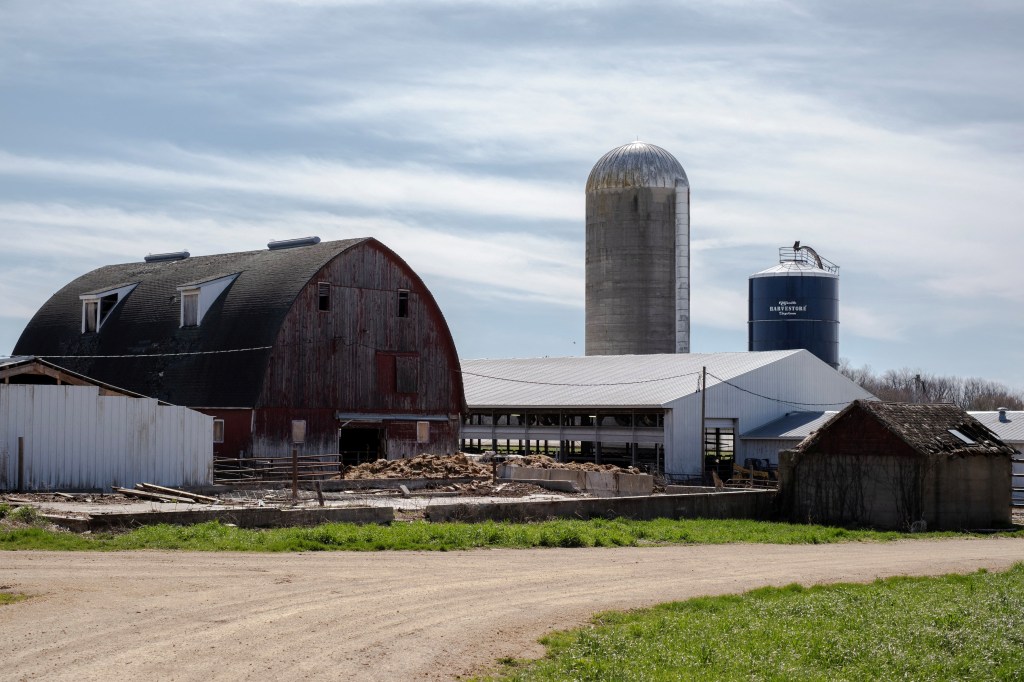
point(638, 253)
point(795, 304)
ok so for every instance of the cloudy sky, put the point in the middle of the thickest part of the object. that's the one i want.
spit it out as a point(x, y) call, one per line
point(889, 136)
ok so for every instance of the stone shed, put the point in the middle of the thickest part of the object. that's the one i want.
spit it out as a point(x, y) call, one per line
point(899, 465)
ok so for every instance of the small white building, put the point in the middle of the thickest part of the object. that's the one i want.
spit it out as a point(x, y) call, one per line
point(645, 410)
point(62, 431)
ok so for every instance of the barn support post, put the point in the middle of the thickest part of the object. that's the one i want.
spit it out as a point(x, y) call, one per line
point(702, 452)
point(21, 464)
point(295, 474)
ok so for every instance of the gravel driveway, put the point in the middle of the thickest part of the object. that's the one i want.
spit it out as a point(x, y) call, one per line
point(384, 615)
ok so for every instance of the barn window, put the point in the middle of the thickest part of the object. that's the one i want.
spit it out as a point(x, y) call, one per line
point(403, 303)
point(218, 430)
point(197, 298)
point(323, 296)
point(190, 308)
point(422, 432)
point(298, 431)
point(97, 306)
point(90, 319)
point(407, 373)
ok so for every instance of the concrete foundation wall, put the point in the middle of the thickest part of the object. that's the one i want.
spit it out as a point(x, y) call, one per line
point(245, 518)
point(605, 483)
point(752, 504)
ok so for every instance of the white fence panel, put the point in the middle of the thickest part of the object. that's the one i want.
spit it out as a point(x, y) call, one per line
point(76, 439)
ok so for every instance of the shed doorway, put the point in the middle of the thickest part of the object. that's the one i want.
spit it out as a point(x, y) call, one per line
point(361, 444)
point(719, 452)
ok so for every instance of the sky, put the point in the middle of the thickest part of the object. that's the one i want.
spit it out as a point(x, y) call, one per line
point(888, 136)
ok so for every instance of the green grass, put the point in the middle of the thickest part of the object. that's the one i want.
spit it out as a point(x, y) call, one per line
point(950, 628)
point(421, 535)
point(8, 598)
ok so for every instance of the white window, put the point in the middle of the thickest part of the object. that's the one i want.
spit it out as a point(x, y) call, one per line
point(198, 297)
point(298, 431)
point(190, 308)
point(97, 306)
point(90, 319)
point(218, 430)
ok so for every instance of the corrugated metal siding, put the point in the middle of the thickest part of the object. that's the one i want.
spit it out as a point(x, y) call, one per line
point(76, 439)
point(795, 381)
point(767, 448)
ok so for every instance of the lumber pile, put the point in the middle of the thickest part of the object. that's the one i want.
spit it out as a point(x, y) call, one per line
point(159, 493)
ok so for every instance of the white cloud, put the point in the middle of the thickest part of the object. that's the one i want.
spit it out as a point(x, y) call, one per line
point(400, 187)
point(80, 238)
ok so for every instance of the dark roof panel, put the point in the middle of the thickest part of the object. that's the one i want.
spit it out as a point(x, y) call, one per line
point(220, 372)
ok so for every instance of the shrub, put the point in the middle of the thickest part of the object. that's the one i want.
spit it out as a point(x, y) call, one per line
point(27, 515)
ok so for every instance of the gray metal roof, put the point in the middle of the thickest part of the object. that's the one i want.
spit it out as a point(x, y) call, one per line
point(637, 164)
point(616, 381)
point(790, 268)
point(793, 426)
point(15, 360)
point(1009, 431)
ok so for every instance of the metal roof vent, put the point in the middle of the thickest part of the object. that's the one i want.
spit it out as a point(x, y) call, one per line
point(1002, 414)
point(164, 257)
point(292, 243)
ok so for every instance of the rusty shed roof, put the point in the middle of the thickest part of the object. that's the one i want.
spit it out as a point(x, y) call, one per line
point(931, 429)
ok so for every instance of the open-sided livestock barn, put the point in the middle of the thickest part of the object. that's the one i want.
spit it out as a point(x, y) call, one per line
point(648, 410)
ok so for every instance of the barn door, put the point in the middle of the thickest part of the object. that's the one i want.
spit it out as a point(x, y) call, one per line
point(361, 444)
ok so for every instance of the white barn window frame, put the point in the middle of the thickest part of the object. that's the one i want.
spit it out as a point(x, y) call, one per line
point(97, 305)
point(198, 297)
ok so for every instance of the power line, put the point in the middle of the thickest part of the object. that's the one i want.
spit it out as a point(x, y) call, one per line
point(777, 400)
point(145, 355)
point(551, 383)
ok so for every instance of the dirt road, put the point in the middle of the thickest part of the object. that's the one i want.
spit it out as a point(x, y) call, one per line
point(383, 616)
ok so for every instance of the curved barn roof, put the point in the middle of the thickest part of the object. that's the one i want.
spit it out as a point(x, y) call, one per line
point(141, 344)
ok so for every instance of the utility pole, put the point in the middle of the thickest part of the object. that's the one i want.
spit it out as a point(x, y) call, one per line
point(703, 413)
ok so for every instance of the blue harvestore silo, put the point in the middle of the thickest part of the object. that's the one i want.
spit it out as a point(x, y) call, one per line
point(795, 304)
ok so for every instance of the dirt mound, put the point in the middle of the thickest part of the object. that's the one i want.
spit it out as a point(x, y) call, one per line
point(545, 462)
point(423, 466)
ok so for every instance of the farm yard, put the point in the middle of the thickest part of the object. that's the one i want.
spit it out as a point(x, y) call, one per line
point(390, 615)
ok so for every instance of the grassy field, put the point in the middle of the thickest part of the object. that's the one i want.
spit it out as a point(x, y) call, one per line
point(950, 628)
point(421, 535)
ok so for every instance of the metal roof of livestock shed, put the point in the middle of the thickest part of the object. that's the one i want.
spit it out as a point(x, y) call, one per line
point(1007, 424)
point(793, 426)
point(77, 438)
point(602, 380)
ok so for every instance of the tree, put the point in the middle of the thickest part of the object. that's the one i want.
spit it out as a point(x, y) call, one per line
point(913, 386)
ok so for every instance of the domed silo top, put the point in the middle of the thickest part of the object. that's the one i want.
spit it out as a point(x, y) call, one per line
point(800, 260)
point(637, 164)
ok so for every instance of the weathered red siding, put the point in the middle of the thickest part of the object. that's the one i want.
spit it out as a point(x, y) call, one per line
point(354, 358)
point(237, 431)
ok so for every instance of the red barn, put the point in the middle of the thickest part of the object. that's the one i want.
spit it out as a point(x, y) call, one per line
point(337, 343)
